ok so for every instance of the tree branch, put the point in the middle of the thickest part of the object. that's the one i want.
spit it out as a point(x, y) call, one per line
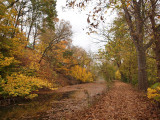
point(149, 44)
point(12, 3)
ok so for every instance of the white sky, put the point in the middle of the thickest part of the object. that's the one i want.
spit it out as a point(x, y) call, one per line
point(78, 20)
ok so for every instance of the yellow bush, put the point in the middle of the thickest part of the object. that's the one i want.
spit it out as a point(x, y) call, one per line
point(118, 75)
point(20, 85)
point(81, 74)
point(7, 61)
point(154, 92)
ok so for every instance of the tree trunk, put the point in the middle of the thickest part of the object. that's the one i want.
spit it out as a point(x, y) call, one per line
point(17, 20)
point(142, 74)
point(157, 52)
point(130, 75)
point(156, 33)
point(30, 28)
point(123, 78)
point(35, 35)
point(137, 33)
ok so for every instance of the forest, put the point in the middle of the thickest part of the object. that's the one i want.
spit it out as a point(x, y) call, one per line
point(37, 53)
point(35, 47)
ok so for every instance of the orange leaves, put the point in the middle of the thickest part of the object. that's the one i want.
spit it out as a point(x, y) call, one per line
point(59, 49)
point(56, 19)
point(128, 4)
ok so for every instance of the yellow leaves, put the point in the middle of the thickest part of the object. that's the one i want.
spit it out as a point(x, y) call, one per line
point(7, 61)
point(81, 74)
point(31, 96)
point(151, 93)
point(154, 93)
point(64, 42)
point(118, 75)
point(33, 58)
point(20, 85)
point(12, 40)
point(34, 65)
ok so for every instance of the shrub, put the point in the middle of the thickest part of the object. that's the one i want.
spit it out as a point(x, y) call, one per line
point(20, 85)
point(118, 75)
point(81, 74)
point(154, 92)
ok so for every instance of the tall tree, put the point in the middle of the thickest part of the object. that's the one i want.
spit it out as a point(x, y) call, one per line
point(137, 16)
point(154, 16)
point(31, 14)
point(120, 49)
point(10, 38)
point(51, 37)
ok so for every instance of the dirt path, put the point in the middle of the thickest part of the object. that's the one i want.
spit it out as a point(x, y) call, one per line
point(74, 98)
point(82, 95)
point(121, 102)
point(88, 101)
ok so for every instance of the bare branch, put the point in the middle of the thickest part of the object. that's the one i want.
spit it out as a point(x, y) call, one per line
point(12, 3)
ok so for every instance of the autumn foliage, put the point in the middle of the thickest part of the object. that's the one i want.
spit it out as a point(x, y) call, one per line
point(21, 85)
point(81, 74)
point(154, 92)
point(32, 59)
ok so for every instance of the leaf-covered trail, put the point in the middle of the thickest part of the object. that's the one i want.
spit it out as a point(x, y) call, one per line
point(121, 102)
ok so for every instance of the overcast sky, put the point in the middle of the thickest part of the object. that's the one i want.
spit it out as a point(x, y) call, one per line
point(78, 20)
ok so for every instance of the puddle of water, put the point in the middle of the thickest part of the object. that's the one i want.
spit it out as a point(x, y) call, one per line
point(34, 109)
